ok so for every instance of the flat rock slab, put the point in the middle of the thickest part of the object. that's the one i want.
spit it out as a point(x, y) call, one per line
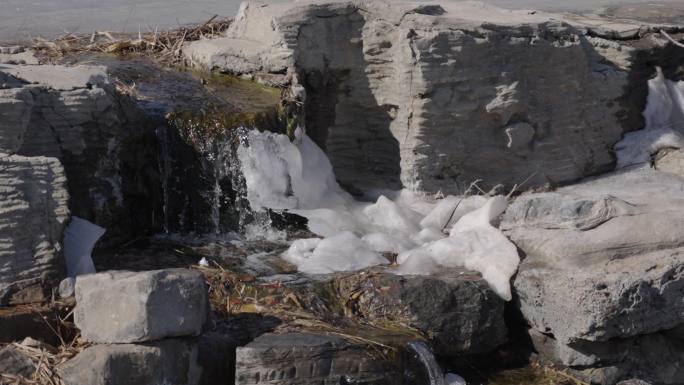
point(58, 77)
point(604, 258)
point(310, 359)
point(168, 362)
point(126, 307)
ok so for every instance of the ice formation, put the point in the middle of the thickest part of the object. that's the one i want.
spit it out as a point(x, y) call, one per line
point(664, 115)
point(427, 234)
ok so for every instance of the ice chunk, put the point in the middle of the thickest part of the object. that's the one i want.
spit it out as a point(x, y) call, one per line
point(79, 240)
point(474, 244)
point(341, 252)
point(393, 218)
point(385, 243)
point(280, 174)
point(450, 209)
point(664, 115)
point(427, 235)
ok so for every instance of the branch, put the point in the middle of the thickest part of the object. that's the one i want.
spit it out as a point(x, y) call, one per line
point(673, 41)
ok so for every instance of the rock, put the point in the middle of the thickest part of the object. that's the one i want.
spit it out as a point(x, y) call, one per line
point(66, 287)
point(457, 309)
point(633, 382)
point(169, 361)
point(467, 93)
point(14, 362)
point(670, 160)
point(58, 77)
point(33, 213)
point(125, 307)
point(609, 251)
point(75, 115)
point(603, 274)
point(308, 359)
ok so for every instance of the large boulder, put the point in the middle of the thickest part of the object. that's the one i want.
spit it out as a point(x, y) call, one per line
point(603, 274)
point(456, 310)
point(33, 214)
point(126, 307)
point(168, 362)
point(308, 359)
point(468, 97)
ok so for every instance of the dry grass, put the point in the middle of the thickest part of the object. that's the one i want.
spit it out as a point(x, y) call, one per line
point(164, 46)
point(535, 374)
point(46, 357)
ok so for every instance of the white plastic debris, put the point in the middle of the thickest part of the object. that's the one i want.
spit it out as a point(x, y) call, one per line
point(298, 176)
point(79, 240)
point(203, 262)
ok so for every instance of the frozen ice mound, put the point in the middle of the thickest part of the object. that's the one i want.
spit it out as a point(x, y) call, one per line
point(427, 234)
point(664, 116)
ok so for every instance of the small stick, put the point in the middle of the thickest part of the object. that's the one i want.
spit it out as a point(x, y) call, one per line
point(673, 41)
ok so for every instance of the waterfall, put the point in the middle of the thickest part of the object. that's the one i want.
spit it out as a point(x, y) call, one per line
point(434, 372)
point(432, 368)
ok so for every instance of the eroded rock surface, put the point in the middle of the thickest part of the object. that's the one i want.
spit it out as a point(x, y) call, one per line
point(433, 97)
point(604, 272)
point(33, 214)
point(126, 307)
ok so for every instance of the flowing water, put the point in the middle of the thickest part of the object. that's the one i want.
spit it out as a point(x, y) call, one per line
point(435, 374)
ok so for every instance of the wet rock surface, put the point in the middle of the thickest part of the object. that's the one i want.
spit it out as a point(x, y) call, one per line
point(304, 358)
point(457, 310)
point(125, 307)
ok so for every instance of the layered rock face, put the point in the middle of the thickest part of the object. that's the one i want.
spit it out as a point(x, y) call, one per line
point(72, 114)
point(33, 214)
point(433, 98)
point(601, 284)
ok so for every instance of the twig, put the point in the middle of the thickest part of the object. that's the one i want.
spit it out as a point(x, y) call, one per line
point(673, 41)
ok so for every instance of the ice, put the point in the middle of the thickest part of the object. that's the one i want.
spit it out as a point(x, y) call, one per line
point(664, 116)
point(449, 210)
point(282, 175)
point(426, 233)
point(386, 243)
point(393, 218)
point(474, 244)
point(342, 252)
